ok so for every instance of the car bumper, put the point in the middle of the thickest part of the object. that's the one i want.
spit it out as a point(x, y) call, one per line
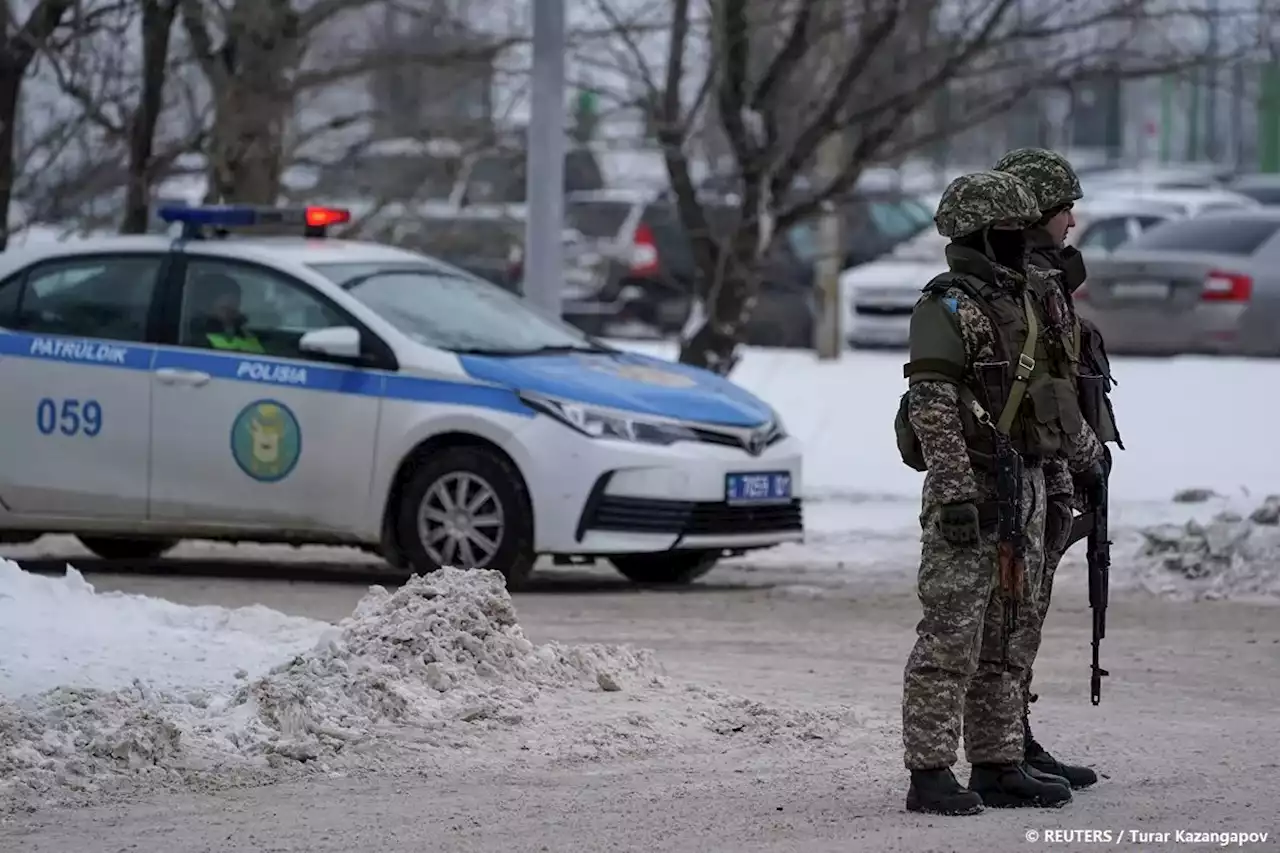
point(601, 497)
point(1204, 329)
point(879, 326)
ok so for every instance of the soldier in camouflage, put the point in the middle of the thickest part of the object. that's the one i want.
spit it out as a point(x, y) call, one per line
point(980, 345)
point(1057, 188)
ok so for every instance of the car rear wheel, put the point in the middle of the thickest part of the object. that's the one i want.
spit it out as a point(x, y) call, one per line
point(671, 568)
point(467, 507)
point(120, 548)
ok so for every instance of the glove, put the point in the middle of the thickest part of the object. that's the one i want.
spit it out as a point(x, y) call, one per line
point(1057, 524)
point(958, 523)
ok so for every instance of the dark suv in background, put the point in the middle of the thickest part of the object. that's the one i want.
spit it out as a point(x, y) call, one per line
point(643, 269)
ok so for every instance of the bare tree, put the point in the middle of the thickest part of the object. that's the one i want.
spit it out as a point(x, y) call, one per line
point(785, 76)
point(20, 42)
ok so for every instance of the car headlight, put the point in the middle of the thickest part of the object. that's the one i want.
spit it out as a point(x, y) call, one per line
point(779, 428)
point(598, 422)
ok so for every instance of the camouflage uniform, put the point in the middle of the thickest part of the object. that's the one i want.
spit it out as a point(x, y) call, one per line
point(955, 670)
point(1056, 187)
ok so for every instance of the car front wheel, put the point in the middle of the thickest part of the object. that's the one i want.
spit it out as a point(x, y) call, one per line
point(467, 507)
point(119, 548)
point(671, 568)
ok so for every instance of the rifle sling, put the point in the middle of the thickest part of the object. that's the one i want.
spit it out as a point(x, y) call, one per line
point(1021, 377)
point(1026, 364)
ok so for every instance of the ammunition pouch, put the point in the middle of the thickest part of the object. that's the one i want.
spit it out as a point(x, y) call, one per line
point(1093, 383)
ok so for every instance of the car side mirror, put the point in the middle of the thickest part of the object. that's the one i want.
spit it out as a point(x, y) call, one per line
point(336, 342)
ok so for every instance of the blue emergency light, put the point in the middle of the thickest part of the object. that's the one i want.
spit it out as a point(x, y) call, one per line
point(313, 220)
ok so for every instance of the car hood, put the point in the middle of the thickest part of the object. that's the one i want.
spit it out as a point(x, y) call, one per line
point(905, 272)
point(626, 381)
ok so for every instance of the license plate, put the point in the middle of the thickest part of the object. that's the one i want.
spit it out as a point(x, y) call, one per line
point(1141, 290)
point(754, 488)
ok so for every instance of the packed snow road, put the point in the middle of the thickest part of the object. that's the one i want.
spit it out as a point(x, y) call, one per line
point(808, 760)
point(224, 711)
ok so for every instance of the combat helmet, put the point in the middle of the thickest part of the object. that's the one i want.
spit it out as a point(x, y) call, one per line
point(1047, 173)
point(980, 200)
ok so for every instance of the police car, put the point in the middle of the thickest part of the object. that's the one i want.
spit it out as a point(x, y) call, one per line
point(229, 385)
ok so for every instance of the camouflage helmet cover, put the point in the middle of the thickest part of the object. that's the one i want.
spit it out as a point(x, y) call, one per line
point(983, 199)
point(1047, 173)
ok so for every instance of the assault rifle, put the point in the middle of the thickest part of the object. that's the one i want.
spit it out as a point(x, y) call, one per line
point(1093, 525)
point(1011, 537)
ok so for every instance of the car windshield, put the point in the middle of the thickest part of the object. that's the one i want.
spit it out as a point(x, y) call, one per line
point(1226, 235)
point(898, 219)
point(454, 312)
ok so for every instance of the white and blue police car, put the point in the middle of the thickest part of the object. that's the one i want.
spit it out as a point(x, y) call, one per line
point(229, 385)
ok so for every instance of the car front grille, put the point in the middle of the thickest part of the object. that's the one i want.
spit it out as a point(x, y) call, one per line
point(690, 518)
point(753, 441)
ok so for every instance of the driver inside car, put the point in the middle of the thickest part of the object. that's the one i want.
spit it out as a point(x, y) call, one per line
point(218, 320)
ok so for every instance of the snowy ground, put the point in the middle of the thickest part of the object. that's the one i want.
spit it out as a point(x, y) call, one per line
point(767, 719)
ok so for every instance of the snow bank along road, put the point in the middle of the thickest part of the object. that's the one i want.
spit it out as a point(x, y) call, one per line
point(808, 761)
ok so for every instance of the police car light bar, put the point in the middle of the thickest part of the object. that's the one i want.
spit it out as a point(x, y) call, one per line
point(314, 220)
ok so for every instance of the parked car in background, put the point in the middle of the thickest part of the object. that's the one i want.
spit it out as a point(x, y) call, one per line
point(1207, 284)
point(1103, 225)
point(1174, 177)
point(488, 247)
point(879, 296)
point(1180, 202)
point(1263, 187)
point(640, 269)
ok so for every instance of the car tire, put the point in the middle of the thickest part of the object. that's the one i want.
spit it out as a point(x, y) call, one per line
point(120, 548)
point(481, 469)
point(670, 568)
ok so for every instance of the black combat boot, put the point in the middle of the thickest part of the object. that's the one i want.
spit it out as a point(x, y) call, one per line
point(1007, 786)
point(938, 792)
point(1047, 778)
point(1038, 759)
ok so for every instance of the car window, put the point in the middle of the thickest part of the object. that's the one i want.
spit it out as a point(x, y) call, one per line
point(893, 220)
point(1145, 222)
point(249, 308)
point(1227, 235)
point(602, 220)
point(451, 312)
point(1104, 234)
point(93, 297)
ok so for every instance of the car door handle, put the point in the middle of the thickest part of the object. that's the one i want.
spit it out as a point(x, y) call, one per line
point(174, 376)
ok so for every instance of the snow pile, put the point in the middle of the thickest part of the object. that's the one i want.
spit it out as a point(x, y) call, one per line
point(443, 656)
point(1232, 556)
point(59, 631)
point(438, 671)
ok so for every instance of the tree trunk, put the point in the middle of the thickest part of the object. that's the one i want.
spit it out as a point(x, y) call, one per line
point(253, 102)
point(10, 86)
point(727, 288)
point(157, 24)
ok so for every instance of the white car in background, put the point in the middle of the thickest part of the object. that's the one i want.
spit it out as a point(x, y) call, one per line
point(879, 296)
point(1178, 202)
point(303, 390)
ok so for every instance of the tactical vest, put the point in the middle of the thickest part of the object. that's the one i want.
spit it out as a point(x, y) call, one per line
point(1024, 394)
point(235, 342)
point(1093, 369)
